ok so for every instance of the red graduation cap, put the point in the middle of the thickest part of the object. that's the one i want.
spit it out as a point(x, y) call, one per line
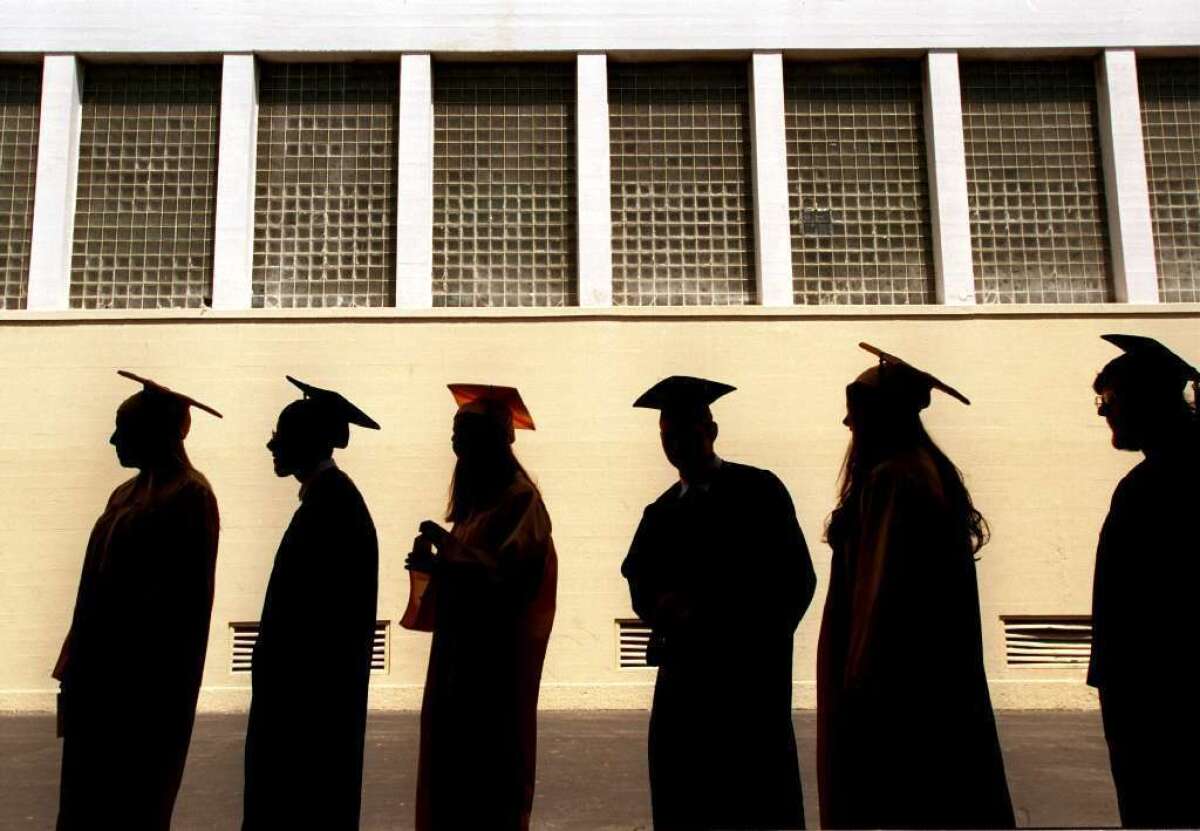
point(485, 398)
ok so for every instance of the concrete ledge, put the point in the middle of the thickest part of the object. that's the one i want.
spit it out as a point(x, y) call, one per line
point(632, 313)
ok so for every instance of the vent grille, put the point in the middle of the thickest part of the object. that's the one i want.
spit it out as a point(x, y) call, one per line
point(633, 636)
point(1047, 640)
point(243, 637)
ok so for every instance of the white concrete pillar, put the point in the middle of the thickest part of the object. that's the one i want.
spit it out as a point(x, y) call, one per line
point(233, 247)
point(414, 186)
point(768, 159)
point(57, 181)
point(1130, 231)
point(949, 209)
point(594, 186)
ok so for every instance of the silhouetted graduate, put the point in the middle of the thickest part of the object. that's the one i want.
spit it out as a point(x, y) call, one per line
point(131, 664)
point(312, 661)
point(906, 737)
point(490, 605)
point(720, 571)
point(1144, 595)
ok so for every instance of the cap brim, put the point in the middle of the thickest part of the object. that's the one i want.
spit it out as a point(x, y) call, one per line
point(1153, 350)
point(509, 397)
point(159, 388)
point(933, 381)
point(682, 391)
point(337, 402)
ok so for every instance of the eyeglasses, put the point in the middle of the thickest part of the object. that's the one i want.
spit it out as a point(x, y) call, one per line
point(1104, 401)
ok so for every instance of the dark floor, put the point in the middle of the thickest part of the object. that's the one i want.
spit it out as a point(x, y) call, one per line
point(592, 771)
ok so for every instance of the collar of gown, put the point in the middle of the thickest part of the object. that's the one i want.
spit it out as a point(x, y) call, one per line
point(704, 486)
point(307, 482)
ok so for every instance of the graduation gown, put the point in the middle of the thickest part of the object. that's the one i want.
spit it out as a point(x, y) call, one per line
point(492, 621)
point(131, 664)
point(1143, 639)
point(722, 575)
point(906, 736)
point(312, 662)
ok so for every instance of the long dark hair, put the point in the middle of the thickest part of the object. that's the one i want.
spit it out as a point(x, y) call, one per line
point(887, 437)
point(482, 475)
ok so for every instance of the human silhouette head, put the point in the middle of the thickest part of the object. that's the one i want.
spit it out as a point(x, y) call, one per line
point(308, 430)
point(152, 424)
point(887, 399)
point(486, 419)
point(685, 422)
point(482, 438)
point(688, 435)
point(1140, 393)
point(883, 412)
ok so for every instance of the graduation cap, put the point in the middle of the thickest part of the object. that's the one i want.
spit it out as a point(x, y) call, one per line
point(1150, 360)
point(332, 414)
point(154, 388)
point(902, 382)
point(165, 409)
point(1152, 356)
point(494, 401)
point(682, 392)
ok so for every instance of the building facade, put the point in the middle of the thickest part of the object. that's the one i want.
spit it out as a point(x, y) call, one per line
point(578, 200)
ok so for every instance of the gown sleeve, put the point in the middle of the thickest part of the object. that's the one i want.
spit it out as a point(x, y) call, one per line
point(643, 592)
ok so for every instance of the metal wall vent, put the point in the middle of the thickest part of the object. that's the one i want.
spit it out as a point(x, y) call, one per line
point(243, 636)
point(633, 635)
point(1047, 640)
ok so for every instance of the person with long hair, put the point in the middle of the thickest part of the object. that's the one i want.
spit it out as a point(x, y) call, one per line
point(490, 604)
point(719, 567)
point(312, 660)
point(126, 707)
point(906, 737)
point(1143, 594)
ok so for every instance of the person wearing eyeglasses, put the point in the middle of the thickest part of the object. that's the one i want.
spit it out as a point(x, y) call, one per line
point(1143, 593)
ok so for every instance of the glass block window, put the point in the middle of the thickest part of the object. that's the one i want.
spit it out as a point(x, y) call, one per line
point(147, 187)
point(1170, 92)
point(325, 187)
point(20, 105)
point(681, 198)
point(1039, 230)
point(857, 183)
point(504, 185)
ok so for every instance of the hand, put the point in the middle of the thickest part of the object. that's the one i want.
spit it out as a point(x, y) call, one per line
point(434, 533)
point(422, 557)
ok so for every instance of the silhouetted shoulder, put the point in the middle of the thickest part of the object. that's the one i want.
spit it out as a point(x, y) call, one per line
point(524, 489)
point(122, 492)
point(196, 479)
point(750, 476)
point(664, 498)
point(336, 485)
point(1136, 480)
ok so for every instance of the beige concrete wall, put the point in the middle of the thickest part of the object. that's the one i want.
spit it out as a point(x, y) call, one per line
point(1035, 455)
